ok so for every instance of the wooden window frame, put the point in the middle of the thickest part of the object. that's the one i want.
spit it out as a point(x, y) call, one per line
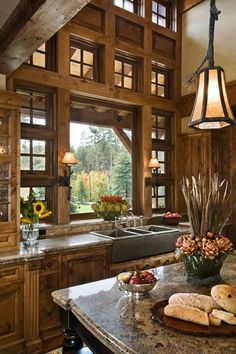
point(167, 84)
point(168, 7)
point(136, 72)
point(50, 55)
point(137, 6)
point(96, 50)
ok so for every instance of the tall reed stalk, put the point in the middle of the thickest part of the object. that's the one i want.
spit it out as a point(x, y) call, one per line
point(208, 202)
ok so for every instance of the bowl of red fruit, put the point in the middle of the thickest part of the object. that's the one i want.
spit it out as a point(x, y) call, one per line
point(137, 283)
point(170, 218)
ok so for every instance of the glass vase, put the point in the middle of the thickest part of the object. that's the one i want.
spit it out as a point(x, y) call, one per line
point(203, 270)
point(30, 233)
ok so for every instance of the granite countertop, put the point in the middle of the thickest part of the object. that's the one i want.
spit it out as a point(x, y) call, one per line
point(58, 244)
point(124, 325)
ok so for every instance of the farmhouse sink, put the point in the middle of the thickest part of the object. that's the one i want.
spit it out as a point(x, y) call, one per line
point(139, 242)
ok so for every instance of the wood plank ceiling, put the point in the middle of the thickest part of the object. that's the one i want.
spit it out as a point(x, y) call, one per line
point(29, 25)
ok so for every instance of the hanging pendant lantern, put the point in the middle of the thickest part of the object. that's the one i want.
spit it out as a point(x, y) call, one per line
point(211, 108)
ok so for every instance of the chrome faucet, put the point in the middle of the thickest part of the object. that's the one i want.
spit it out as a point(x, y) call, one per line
point(127, 220)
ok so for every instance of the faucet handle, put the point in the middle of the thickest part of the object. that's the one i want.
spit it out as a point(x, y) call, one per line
point(141, 220)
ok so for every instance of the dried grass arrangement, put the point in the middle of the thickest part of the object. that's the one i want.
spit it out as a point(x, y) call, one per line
point(208, 202)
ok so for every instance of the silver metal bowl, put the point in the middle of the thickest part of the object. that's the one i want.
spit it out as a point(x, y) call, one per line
point(137, 290)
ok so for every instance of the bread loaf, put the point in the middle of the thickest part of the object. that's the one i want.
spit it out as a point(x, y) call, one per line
point(226, 317)
point(225, 296)
point(187, 313)
point(202, 302)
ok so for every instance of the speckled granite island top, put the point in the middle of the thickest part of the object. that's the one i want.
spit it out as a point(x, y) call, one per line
point(124, 325)
point(57, 244)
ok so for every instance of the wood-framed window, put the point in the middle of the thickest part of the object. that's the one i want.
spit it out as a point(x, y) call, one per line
point(161, 13)
point(127, 72)
point(38, 142)
point(162, 149)
point(160, 82)
point(85, 60)
point(134, 6)
point(44, 56)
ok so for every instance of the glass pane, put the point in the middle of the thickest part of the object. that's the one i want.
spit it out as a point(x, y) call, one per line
point(4, 146)
point(39, 117)
point(153, 89)
point(154, 154)
point(162, 21)
point(161, 122)
point(161, 203)
point(87, 72)
point(154, 121)
point(38, 101)
point(39, 59)
point(162, 168)
point(4, 212)
point(161, 190)
point(40, 192)
point(118, 66)
point(161, 91)
point(128, 69)
point(161, 79)
point(39, 163)
point(39, 147)
point(119, 3)
point(87, 57)
point(128, 82)
point(24, 192)
point(25, 163)
point(24, 146)
point(162, 10)
point(161, 134)
point(118, 80)
point(4, 193)
point(75, 69)
point(154, 77)
point(154, 203)
point(154, 18)
point(25, 115)
point(129, 6)
point(75, 54)
point(154, 134)
point(161, 156)
point(42, 47)
point(154, 6)
point(4, 172)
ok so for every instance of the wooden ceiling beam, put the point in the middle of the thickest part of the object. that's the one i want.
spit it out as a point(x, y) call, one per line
point(189, 4)
point(31, 24)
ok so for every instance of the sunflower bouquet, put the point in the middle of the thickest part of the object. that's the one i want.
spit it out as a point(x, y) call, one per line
point(32, 209)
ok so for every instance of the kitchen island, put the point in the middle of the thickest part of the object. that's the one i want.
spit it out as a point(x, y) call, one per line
point(110, 322)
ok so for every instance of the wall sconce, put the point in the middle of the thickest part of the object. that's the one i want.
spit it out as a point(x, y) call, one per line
point(64, 181)
point(152, 181)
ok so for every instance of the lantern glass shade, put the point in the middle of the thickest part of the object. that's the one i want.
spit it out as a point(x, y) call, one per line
point(69, 159)
point(154, 163)
point(211, 108)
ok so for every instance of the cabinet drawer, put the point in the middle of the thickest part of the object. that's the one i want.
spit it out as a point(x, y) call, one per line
point(50, 263)
point(11, 273)
point(49, 315)
point(48, 283)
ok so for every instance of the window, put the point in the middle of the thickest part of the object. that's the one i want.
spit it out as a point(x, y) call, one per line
point(44, 56)
point(161, 13)
point(33, 155)
point(36, 108)
point(84, 60)
point(133, 6)
point(126, 73)
point(160, 83)
point(162, 150)
point(104, 166)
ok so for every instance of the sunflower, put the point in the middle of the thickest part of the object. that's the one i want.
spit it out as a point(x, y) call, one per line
point(47, 213)
point(39, 208)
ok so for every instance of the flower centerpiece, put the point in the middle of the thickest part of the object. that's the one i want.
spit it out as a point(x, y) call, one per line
point(209, 208)
point(110, 206)
point(32, 209)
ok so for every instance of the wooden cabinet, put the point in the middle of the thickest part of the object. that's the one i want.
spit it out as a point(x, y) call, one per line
point(11, 309)
point(9, 169)
point(85, 266)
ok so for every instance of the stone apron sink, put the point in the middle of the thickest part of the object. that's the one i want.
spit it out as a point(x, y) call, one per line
point(139, 242)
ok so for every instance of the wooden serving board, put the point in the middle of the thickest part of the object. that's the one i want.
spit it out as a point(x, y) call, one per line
point(157, 314)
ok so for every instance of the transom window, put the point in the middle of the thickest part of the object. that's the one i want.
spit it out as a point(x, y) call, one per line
point(84, 60)
point(35, 109)
point(159, 201)
point(133, 6)
point(160, 83)
point(161, 13)
point(126, 73)
point(39, 57)
point(161, 127)
point(44, 56)
point(40, 192)
point(33, 155)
